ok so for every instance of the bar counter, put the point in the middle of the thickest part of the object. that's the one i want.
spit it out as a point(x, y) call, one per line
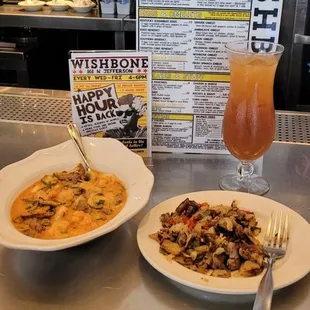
point(110, 273)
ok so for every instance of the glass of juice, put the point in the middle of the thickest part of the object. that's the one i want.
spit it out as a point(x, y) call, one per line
point(249, 119)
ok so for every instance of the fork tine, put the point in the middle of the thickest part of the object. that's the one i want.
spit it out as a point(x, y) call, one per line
point(274, 229)
point(279, 239)
point(285, 233)
point(268, 230)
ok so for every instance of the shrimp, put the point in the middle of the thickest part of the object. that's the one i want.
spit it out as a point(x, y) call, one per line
point(66, 195)
point(60, 213)
point(58, 229)
point(81, 217)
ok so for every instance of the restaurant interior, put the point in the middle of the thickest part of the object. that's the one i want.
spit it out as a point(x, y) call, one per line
point(134, 176)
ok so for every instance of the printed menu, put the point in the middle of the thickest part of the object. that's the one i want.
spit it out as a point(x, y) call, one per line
point(190, 83)
point(111, 96)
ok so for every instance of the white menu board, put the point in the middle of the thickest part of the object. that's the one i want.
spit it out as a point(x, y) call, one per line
point(190, 68)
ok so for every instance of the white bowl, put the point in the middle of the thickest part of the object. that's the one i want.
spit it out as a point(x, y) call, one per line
point(82, 9)
point(58, 6)
point(31, 7)
point(108, 155)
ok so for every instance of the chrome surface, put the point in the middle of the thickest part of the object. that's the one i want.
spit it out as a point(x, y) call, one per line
point(7, 45)
point(294, 73)
point(286, 38)
point(301, 39)
point(53, 107)
point(15, 16)
point(293, 127)
point(109, 273)
point(38, 108)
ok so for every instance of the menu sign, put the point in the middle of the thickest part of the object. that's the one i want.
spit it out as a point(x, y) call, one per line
point(190, 68)
point(110, 96)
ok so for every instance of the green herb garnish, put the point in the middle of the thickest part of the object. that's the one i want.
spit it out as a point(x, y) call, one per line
point(100, 202)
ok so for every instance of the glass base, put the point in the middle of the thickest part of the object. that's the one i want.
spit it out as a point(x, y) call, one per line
point(257, 185)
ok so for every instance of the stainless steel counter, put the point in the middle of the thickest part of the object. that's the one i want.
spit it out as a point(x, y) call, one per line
point(110, 273)
point(15, 16)
point(53, 107)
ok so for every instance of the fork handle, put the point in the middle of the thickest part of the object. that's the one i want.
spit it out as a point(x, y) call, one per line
point(265, 290)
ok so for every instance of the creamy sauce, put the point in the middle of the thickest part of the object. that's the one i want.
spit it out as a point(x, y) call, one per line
point(67, 204)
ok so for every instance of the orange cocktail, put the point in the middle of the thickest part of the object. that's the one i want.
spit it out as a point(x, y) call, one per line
point(249, 120)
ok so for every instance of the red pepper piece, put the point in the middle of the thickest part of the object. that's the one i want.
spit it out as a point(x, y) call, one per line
point(185, 219)
point(191, 223)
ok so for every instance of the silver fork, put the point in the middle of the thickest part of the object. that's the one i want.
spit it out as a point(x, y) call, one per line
point(275, 245)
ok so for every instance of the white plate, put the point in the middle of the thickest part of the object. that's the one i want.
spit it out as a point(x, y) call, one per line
point(108, 155)
point(294, 266)
point(31, 7)
point(82, 9)
point(58, 6)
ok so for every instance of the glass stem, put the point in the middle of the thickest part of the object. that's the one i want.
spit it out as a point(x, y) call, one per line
point(245, 171)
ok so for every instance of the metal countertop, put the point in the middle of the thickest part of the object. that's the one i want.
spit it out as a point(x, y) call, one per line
point(15, 16)
point(110, 273)
point(54, 107)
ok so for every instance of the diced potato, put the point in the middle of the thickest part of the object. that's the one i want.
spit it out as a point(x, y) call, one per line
point(202, 248)
point(256, 231)
point(171, 247)
point(154, 236)
point(250, 269)
point(211, 230)
point(226, 223)
point(220, 273)
point(193, 254)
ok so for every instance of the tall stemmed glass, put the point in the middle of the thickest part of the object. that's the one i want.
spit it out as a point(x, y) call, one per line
point(249, 119)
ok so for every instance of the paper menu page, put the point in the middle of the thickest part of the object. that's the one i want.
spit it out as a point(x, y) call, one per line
point(191, 44)
point(190, 68)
